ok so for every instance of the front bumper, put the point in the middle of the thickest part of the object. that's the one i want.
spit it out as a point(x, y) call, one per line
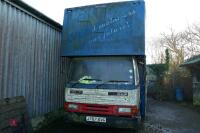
point(111, 121)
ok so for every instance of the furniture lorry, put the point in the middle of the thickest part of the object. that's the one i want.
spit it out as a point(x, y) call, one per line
point(105, 45)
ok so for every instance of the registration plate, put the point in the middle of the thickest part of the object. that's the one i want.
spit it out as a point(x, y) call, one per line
point(96, 119)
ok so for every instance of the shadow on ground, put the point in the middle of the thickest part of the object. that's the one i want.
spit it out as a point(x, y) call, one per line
point(60, 127)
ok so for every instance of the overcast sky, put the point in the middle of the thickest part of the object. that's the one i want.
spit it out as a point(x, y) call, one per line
point(161, 15)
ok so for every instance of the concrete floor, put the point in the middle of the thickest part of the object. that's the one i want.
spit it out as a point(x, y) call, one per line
point(162, 117)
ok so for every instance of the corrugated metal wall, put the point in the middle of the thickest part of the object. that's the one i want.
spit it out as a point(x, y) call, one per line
point(30, 62)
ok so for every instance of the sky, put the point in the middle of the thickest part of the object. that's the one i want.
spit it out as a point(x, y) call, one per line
point(161, 15)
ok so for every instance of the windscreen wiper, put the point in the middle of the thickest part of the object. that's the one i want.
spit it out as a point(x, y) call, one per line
point(90, 79)
point(74, 84)
point(118, 81)
point(112, 81)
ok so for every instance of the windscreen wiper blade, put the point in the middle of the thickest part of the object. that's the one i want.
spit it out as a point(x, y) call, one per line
point(74, 84)
point(111, 81)
point(92, 79)
point(118, 81)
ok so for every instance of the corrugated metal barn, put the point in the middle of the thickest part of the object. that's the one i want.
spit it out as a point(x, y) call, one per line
point(193, 64)
point(30, 62)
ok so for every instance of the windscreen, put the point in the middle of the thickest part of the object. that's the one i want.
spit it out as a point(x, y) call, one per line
point(102, 69)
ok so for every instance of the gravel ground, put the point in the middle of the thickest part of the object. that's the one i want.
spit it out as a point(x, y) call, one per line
point(162, 117)
point(166, 117)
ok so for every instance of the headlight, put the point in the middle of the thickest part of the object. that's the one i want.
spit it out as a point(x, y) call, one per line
point(124, 110)
point(73, 106)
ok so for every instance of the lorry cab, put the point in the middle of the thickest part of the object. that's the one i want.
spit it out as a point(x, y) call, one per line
point(103, 86)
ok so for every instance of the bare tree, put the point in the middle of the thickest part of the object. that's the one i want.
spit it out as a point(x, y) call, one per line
point(176, 46)
point(181, 45)
point(191, 36)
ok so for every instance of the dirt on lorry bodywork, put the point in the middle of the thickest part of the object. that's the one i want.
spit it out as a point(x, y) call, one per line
point(162, 117)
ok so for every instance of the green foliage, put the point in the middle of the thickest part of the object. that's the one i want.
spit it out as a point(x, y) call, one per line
point(159, 92)
point(158, 69)
point(51, 117)
point(167, 58)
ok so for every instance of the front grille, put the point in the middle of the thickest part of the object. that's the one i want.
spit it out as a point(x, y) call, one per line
point(98, 109)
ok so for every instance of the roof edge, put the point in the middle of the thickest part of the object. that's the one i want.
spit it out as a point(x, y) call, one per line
point(102, 4)
point(35, 13)
point(191, 61)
